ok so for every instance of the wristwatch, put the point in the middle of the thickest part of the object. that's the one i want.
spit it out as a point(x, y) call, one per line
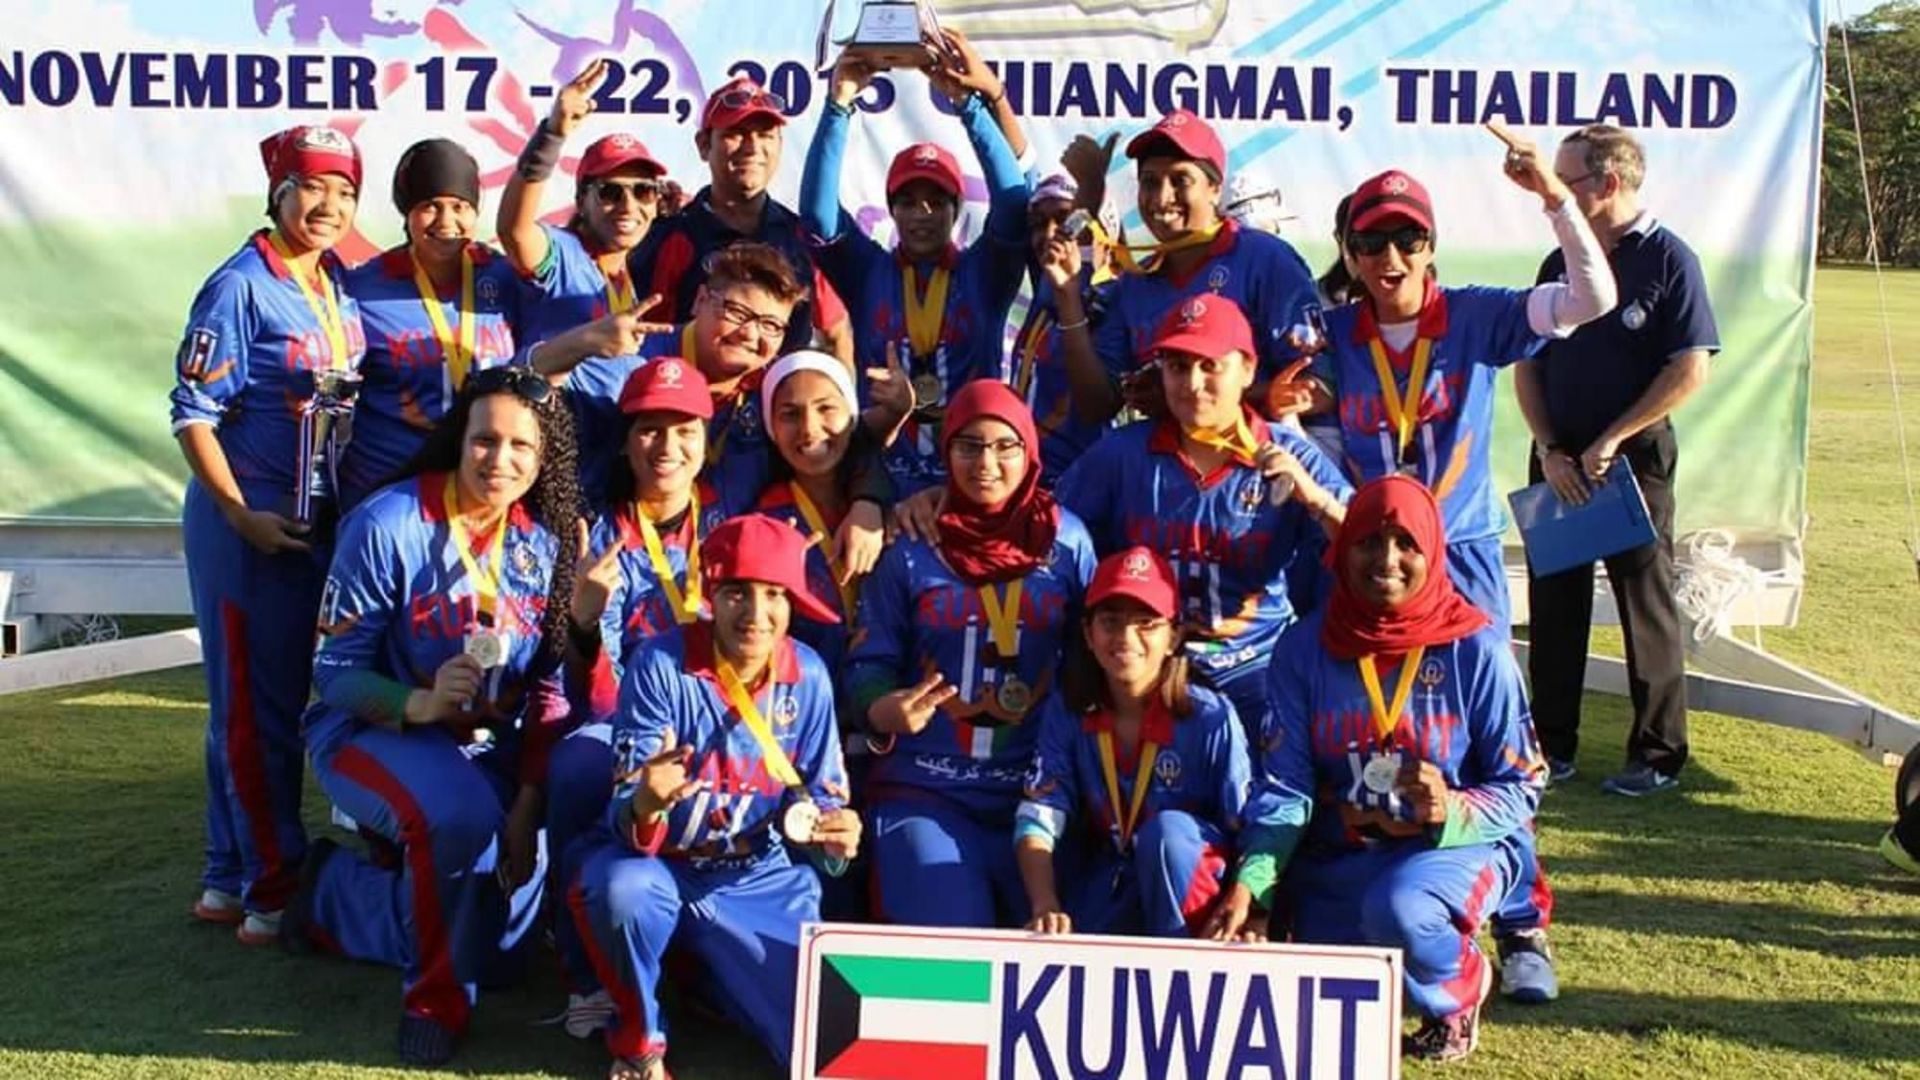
point(1544, 452)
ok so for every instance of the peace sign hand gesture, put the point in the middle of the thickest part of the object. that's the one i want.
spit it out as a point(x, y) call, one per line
point(575, 100)
point(908, 711)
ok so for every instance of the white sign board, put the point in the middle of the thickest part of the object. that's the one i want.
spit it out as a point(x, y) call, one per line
point(888, 1002)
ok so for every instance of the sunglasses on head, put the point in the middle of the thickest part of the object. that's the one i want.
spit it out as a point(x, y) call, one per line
point(522, 382)
point(741, 97)
point(1411, 240)
point(618, 191)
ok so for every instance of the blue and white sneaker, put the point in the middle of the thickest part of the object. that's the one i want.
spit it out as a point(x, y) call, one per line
point(1526, 967)
point(1637, 780)
point(1559, 772)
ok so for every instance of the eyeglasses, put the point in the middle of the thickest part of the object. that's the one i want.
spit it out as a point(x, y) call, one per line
point(741, 97)
point(966, 448)
point(615, 192)
point(1581, 179)
point(738, 314)
point(1411, 240)
point(523, 382)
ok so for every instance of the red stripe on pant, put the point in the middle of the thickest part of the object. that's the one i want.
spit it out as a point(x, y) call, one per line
point(1202, 887)
point(1464, 987)
point(627, 1036)
point(436, 994)
point(247, 765)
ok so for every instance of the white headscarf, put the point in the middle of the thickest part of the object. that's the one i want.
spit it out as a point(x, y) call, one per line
point(805, 360)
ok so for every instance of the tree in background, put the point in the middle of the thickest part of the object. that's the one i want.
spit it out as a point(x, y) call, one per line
point(1886, 72)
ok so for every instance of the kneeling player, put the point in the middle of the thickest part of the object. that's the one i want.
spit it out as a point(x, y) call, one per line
point(731, 756)
point(1418, 815)
point(1156, 768)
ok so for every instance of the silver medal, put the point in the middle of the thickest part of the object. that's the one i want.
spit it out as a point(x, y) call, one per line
point(800, 820)
point(1380, 773)
point(488, 648)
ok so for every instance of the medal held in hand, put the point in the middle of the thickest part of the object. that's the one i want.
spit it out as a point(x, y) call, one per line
point(487, 647)
point(801, 818)
point(1380, 772)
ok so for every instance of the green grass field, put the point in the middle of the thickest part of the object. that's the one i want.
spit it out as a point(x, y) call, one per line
point(1742, 927)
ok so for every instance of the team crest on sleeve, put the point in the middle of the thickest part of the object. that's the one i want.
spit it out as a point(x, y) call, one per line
point(197, 352)
point(332, 622)
point(1166, 768)
point(1217, 279)
point(1633, 316)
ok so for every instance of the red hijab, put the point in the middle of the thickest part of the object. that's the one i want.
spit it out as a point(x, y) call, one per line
point(986, 546)
point(1435, 615)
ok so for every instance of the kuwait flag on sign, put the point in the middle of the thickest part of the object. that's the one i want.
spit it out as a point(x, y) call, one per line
point(875, 1013)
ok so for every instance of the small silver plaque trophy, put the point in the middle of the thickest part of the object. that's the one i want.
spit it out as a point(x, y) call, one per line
point(890, 34)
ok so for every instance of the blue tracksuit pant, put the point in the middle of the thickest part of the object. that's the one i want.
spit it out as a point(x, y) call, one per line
point(934, 864)
point(1164, 886)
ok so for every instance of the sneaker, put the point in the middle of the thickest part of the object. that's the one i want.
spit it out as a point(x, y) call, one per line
point(1526, 967)
point(296, 919)
point(1441, 1039)
point(1637, 780)
point(587, 1014)
point(218, 907)
point(1559, 772)
point(425, 1044)
point(1893, 852)
point(640, 1068)
point(259, 928)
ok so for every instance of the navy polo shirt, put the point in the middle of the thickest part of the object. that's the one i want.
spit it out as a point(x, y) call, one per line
point(671, 261)
point(1593, 377)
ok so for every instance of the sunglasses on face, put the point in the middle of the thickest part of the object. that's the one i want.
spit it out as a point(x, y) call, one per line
point(615, 192)
point(522, 382)
point(1411, 240)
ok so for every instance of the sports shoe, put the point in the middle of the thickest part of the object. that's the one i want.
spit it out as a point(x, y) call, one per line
point(1559, 772)
point(297, 917)
point(1899, 856)
point(221, 908)
point(1637, 780)
point(1526, 967)
point(259, 928)
point(1442, 1039)
point(425, 1044)
point(587, 1014)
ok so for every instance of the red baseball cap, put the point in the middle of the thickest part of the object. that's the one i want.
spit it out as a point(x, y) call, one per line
point(755, 547)
point(309, 150)
point(924, 161)
point(1190, 136)
point(739, 101)
point(1391, 194)
point(1205, 325)
point(668, 384)
point(1137, 573)
point(615, 151)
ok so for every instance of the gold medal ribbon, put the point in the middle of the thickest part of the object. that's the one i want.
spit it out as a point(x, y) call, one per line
point(458, 351)
point(1003, 620)
point(1386, 719)
point(1128, 819)
point(1123, 253)
point(685, 605)
point(486, 582)
point(1238, 441)
point(620, 292)
point(325, 306)
point(1402, 410)
point(926, 311)
point(849, 592)
point(778, 766)
point(1037, 329)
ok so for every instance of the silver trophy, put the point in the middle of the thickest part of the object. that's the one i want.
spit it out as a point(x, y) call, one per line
point(890, 34)
point(326, 424)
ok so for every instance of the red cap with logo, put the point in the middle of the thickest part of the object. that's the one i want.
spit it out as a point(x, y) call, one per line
point(924, 161)
point(1137, 573)
point(670, 385)
point(1205, 325)
point(1190, 136)
point(1389, 195)
point(615, 151)
point(755, 547)
point(739, 101)
point(309, 150)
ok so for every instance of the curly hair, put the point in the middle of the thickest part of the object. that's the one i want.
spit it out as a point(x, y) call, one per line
point(554, 500)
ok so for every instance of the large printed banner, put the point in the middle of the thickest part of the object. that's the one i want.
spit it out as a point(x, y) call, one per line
point(874, 1002)
point(130, 165)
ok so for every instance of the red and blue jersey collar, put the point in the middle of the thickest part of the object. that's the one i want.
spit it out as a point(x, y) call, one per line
point(433, 503)
point(1165, 439)
point(1156, 726)
point(1432, 320)
point(329, 262)
point(397, 263)
point(948, 260)
point(1221, 244)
